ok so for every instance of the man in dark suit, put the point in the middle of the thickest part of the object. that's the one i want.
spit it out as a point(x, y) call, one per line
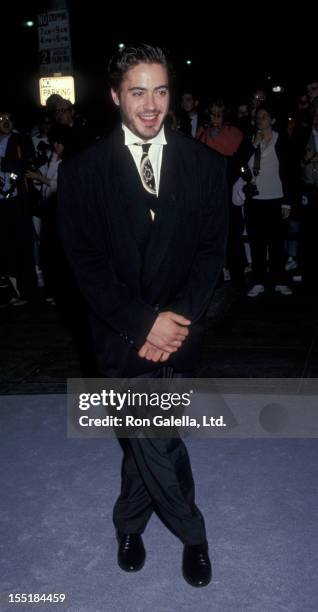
point(144, 228)
point(16, 230)
point(189, 119)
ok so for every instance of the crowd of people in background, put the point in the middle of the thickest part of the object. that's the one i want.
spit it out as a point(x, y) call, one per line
point(272, 161)
point(272, 178)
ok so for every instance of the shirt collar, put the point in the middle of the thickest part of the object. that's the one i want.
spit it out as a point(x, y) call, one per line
point(132, 139)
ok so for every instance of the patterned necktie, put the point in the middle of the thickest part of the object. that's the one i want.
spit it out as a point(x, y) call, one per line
point(146, 171)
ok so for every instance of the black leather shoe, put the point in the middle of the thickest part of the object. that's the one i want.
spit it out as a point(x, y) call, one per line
point(196, 565)
point(131, 552)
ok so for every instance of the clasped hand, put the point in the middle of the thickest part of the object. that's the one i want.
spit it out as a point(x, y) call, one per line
point(166, 336)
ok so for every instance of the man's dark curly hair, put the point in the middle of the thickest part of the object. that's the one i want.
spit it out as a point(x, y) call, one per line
point(131, 56)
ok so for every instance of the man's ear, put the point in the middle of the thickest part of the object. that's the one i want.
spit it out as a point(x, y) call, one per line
point(114, 96)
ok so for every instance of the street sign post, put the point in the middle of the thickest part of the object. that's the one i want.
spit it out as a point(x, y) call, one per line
point(54, 43)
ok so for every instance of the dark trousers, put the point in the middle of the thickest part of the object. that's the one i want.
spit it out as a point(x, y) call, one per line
point(50, 249)
point(235, 255)
point(157, 476)
point(266, 232)
point(17, 245)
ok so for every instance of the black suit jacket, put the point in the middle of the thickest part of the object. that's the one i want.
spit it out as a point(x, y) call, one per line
point(126, 279)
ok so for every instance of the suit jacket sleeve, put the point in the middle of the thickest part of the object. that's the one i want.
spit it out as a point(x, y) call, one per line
point(88, 250)
point(194, 299)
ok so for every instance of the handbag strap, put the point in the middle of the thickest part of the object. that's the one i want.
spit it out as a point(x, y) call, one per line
point(257, 160)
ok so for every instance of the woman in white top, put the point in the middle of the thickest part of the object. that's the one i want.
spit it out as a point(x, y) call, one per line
point(270, 164)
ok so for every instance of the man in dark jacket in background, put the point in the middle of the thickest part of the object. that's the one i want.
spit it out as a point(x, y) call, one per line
point(16, 231)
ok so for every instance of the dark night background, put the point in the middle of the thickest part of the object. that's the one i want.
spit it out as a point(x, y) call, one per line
point(232, 50)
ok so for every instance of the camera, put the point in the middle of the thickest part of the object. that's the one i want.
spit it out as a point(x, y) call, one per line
point(7, 194)
point(249, 188)
point(16, 170)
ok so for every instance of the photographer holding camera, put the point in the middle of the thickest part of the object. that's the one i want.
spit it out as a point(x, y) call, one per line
point(16, 232)
point(268, 191)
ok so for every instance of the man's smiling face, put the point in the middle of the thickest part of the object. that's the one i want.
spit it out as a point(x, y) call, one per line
point(143, 98)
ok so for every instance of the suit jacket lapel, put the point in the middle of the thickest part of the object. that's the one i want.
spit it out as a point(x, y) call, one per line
point(118, 180)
